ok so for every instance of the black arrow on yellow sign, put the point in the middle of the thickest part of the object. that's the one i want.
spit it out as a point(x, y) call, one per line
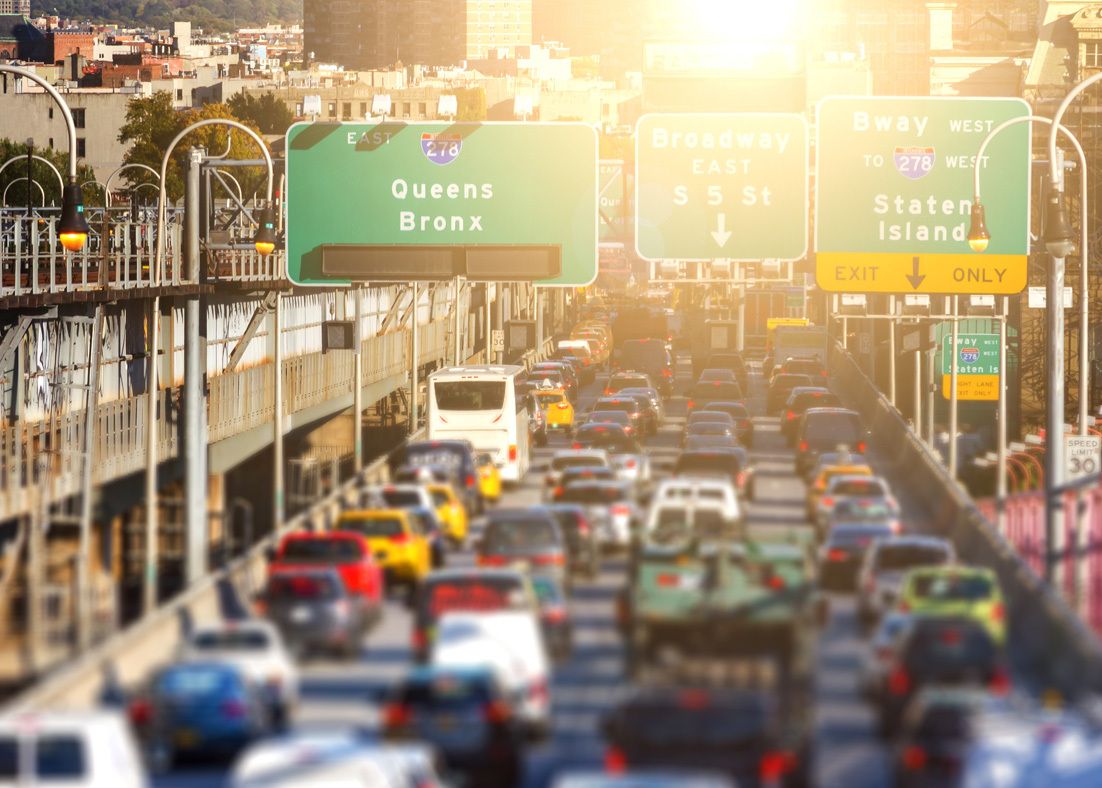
point(914, 278)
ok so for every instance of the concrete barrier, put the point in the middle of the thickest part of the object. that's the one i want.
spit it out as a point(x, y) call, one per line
point(1049, 642)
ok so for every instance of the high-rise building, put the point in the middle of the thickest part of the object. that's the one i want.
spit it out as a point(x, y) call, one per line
point(367, 34)
point(15, 7)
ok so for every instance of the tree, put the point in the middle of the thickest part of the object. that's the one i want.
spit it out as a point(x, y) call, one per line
point(151, 125)
point(43, 175)
point(270, 114)
point(471, 104)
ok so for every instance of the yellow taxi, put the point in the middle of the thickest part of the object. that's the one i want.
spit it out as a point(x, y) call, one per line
point(822, 482)
point(489, 476)
point(450, 510)
point(968, 591)
point(396, 541)
point(560, 413)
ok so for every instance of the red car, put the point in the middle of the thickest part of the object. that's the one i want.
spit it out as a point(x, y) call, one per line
point(348, 553)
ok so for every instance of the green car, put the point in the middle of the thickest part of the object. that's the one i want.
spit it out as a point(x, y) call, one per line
point(969, 591)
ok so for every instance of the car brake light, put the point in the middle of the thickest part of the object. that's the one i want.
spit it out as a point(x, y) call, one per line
point(537, 691)
point(562, 406)
point(471, 480)
point(400, 539)
point(555, 615)
point(899, 683)
point(776, 582)
point(693, 699)
point(775, 765)
point(997, 613)
point(420, 642)
point(548, 560)
point(396, 715)
point(803, 446)
point(861, 448)
point(914, 758)
point(791, 414)
point(690, 403)
point(233, 709)
point(667, 580)
point(1000, 682)
point(740, 480)
point(576, 446)
point(512, 452)
point(491, 560)
point(555, 493)
point(826, 502)
point(608, 391)
point(497, 711)
point(140, 712)
point(619, 510)
point(836, 555)
point(629, 464)
point(615, 762)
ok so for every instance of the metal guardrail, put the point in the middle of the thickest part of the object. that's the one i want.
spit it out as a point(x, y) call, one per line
point(1050, 641)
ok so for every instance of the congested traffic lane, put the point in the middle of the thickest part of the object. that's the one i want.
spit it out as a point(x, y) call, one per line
point(848, 753)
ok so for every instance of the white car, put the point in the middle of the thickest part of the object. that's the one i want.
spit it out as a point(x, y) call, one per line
point(632, 467)
point(648, 778)
point(334, 759)
point(512, 645)
point(73, 749)
point(886, 564)
point(673, 522)
point(849, 486)
point(256, 648)
point(610, 506)
point(690, 489)
point(573, 458)
point(879, 654)
point(401, 496)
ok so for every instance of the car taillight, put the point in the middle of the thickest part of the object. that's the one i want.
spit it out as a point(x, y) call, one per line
point(583, 527)
point(420, 642)
point(140, 712)
point(914, 758)
point(803, 446)
point(667, 580)
point(775, 582)
point(396, 715)
point(904, 607)
point(740, 480)
point(608, 391)
point(619, 511)
point(537, 691)
point(690, 403)
point(615, 762)
point(1000, 682)
point(562, 406)
point(548, 479)
point(512, 452)
point(861, 448)
point(556, 493)
point(576, 446)
point(629, 464)
point(548, 560)
point(233, 709)
point(491, 560)
point(400, 539)
point(899, 683)
point(791, 414)
point(498, 711)
point(997, 613)
point(826, 502)
point(555, 615)
point(774, 765)
point(836, 555)
point(471, 480)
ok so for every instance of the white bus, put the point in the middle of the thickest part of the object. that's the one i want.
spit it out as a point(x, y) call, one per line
point(480, 403)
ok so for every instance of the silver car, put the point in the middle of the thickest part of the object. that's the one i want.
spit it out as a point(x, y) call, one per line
point(879, 654)
point(572, 458)
point(610, 507)
point(886, 563)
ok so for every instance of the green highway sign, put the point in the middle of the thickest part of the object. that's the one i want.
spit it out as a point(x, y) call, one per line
point(894, 191)
point(611, 203)
point(977, 360)
point(478, 186)
point(728, 186)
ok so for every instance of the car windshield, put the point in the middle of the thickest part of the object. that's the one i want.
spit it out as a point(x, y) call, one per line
point(196, 681)
point(831, 429)
point(469, 394)
point(434, 454)
point(448, 693)
point(232, 640)
point(707, 462)
point(709, 428)
point(520, 535)
point(585, 461)
point(620, 382)
point(401, 498)
point(735, 411)
point(816, 399)
point(692, 721)
point(862, 509)
point(715, 390)
point(594, 493)
point(374, 527)
point(574, 474)
point(787, 382)
point(483, 593)
point(546, 400)
point(859, 536)
point(952, 588)
point(895, 558)
point(57, 757)
point(321, 551)
point(868, 487)
point(440, 498)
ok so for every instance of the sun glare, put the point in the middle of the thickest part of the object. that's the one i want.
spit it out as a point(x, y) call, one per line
point(747, 19)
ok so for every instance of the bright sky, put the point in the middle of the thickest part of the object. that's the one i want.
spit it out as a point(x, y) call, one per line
point(747, 19)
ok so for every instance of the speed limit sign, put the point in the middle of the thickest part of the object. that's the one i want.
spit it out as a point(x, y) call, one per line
point(1081, 456)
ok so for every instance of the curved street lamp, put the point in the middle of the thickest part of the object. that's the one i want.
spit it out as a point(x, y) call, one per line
point(36, 157)
point(72, 227)
point(41, 191)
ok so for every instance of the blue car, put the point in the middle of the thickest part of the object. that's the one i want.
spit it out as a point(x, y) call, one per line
point(199, 708)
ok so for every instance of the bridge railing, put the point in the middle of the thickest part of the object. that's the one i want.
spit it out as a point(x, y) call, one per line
point(1051, 642)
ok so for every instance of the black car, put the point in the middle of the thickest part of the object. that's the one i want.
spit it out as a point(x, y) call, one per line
point(935, 737)
point(524, 537)
point(650, 356)
point(610, 437)
point(313, 610)
point(651, 399)
point(825, 430)
point(710, 428)
point(582, 473)
point(625, 404)
point(455, 454)
point(581, 538)
point(799, 401)
point(622, 380)
point(939, 651)
point(843, 553)
point(812, 367)
point(555, 620)
point(780, 388)
point(466, 715)
point(740, 416)
point(731, 361)
point(729, 464)
point(616, 418)
point(701, 395)
point(751, 735)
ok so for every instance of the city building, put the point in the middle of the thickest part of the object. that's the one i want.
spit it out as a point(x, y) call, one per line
point(22, 7)
point(21, 40)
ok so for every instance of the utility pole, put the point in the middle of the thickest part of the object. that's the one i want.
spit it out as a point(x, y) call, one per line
point(194, 438)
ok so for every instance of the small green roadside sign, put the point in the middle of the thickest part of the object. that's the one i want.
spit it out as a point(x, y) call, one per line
point(471, 185)
point(894, 192)
point(730, 186)
point(977, 360)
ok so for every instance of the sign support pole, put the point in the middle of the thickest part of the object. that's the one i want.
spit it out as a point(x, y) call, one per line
point(1054, 426)
point(953, 395)
point(891, 352)
point(918, 389)
point(357, 387)
point(414, 353)
point(932, 392)
point(1000, 489)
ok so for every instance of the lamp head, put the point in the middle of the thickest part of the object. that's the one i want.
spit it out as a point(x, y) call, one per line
point(265, 238)
point(1059, 235)
point(72, 228)
point(978, 237)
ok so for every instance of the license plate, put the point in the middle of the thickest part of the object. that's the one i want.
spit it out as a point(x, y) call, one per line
point(186, 738)
point(301, 614)
point(445, 722)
